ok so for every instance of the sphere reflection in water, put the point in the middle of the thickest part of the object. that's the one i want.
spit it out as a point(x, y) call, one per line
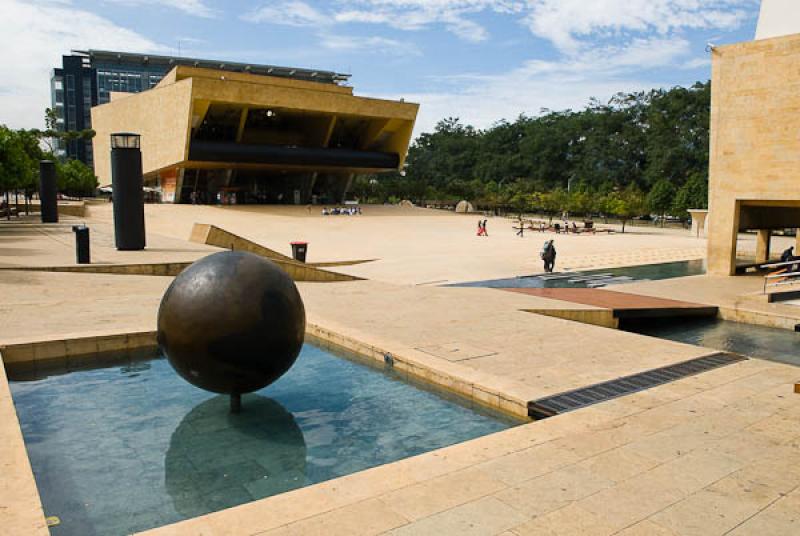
point(217, 459)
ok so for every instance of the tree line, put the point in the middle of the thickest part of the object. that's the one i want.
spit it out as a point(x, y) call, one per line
point(638, 154)
point(21, 151)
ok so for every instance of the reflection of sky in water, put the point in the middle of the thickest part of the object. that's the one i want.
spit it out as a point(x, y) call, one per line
point(756, 341)
point(126, 448)
point(652, 272)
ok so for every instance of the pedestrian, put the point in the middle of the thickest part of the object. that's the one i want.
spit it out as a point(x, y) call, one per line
point(521, 229)
point(485, 232)
point(548, 255)
point(480, 228)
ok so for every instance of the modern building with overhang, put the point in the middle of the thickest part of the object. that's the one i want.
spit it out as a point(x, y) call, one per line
point(215, 135)
point(754, 174)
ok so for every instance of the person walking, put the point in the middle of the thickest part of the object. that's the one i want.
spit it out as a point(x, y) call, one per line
point(548, 255)
point(480, 228)
point(485, 232)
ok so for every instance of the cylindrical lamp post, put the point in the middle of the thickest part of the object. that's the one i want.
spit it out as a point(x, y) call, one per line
point(127, 186)
point(48, 191)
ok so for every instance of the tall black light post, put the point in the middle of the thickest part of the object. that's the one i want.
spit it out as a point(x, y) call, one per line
point(127, 185)
point(48, 191)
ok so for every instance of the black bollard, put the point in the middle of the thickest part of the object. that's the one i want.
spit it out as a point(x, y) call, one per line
point(48, 191)
point(82, 255)
point(127, 186)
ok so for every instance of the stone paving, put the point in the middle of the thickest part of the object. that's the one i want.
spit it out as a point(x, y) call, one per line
point(417, 246)
point(712, 454)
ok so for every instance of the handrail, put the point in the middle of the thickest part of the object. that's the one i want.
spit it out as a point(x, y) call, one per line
point(777, 276)
point(783, 278)
point(780, 264)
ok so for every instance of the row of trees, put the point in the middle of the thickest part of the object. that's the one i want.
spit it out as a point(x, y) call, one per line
point(649, 149)
point(20, 153)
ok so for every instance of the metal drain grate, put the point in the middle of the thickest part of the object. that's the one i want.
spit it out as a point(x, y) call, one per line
point(600, 392)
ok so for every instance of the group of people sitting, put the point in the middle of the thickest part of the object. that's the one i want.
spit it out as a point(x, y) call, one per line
point(347, 211)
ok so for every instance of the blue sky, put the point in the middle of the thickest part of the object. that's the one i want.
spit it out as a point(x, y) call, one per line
point(480, 60)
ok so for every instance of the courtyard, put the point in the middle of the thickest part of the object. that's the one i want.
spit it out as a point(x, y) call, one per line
point(711, 453)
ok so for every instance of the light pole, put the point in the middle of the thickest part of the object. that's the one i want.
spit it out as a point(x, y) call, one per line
point(569, 188)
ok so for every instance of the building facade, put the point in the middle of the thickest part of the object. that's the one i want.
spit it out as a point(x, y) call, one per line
point(218, 136)
point(88, 78)
point(754, 173)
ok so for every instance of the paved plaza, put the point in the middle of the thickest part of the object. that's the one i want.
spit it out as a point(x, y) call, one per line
point(715, 453)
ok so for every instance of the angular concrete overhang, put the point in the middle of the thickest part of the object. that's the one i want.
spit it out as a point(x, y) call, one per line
point(205, 118)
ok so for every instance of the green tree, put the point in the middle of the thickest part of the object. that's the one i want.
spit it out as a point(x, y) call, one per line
point(76, 179)
point(661, 198)
point(693, 194)
point(627, 204)
point(19, 159)
point(677, 136)
point(54, 132)
point(636, 138)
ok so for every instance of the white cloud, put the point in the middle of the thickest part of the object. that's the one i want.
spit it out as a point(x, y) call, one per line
point(604, 46)
point(409, 15)
point(34, 37)
point(369, 44)
point(566, 22)
point(197, 8)
point(289, 13)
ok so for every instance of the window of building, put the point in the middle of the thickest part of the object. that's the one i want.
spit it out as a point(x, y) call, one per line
point(71, 120)
point(87, 92)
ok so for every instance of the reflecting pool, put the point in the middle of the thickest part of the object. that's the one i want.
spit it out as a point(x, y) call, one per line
point(756, 341)
point(597, 278)
point(131, 446)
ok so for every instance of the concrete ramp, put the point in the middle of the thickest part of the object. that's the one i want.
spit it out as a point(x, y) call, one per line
point(211, 235)
point(298, 271)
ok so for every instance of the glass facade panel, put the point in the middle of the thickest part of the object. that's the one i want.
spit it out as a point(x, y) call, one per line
point(72, 123)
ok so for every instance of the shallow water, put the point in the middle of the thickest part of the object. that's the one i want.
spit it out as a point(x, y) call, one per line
point(756, 341)
point(121, 449)
point(651, 272)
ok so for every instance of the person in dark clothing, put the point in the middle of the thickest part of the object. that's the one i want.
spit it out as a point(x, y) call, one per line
point(485, 232)
point(788, 255)
point(548, 255)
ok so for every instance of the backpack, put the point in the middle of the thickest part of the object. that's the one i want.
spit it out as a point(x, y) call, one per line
point(545, 249)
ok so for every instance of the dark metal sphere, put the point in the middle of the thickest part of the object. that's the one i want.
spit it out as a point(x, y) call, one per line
point(232, 323)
